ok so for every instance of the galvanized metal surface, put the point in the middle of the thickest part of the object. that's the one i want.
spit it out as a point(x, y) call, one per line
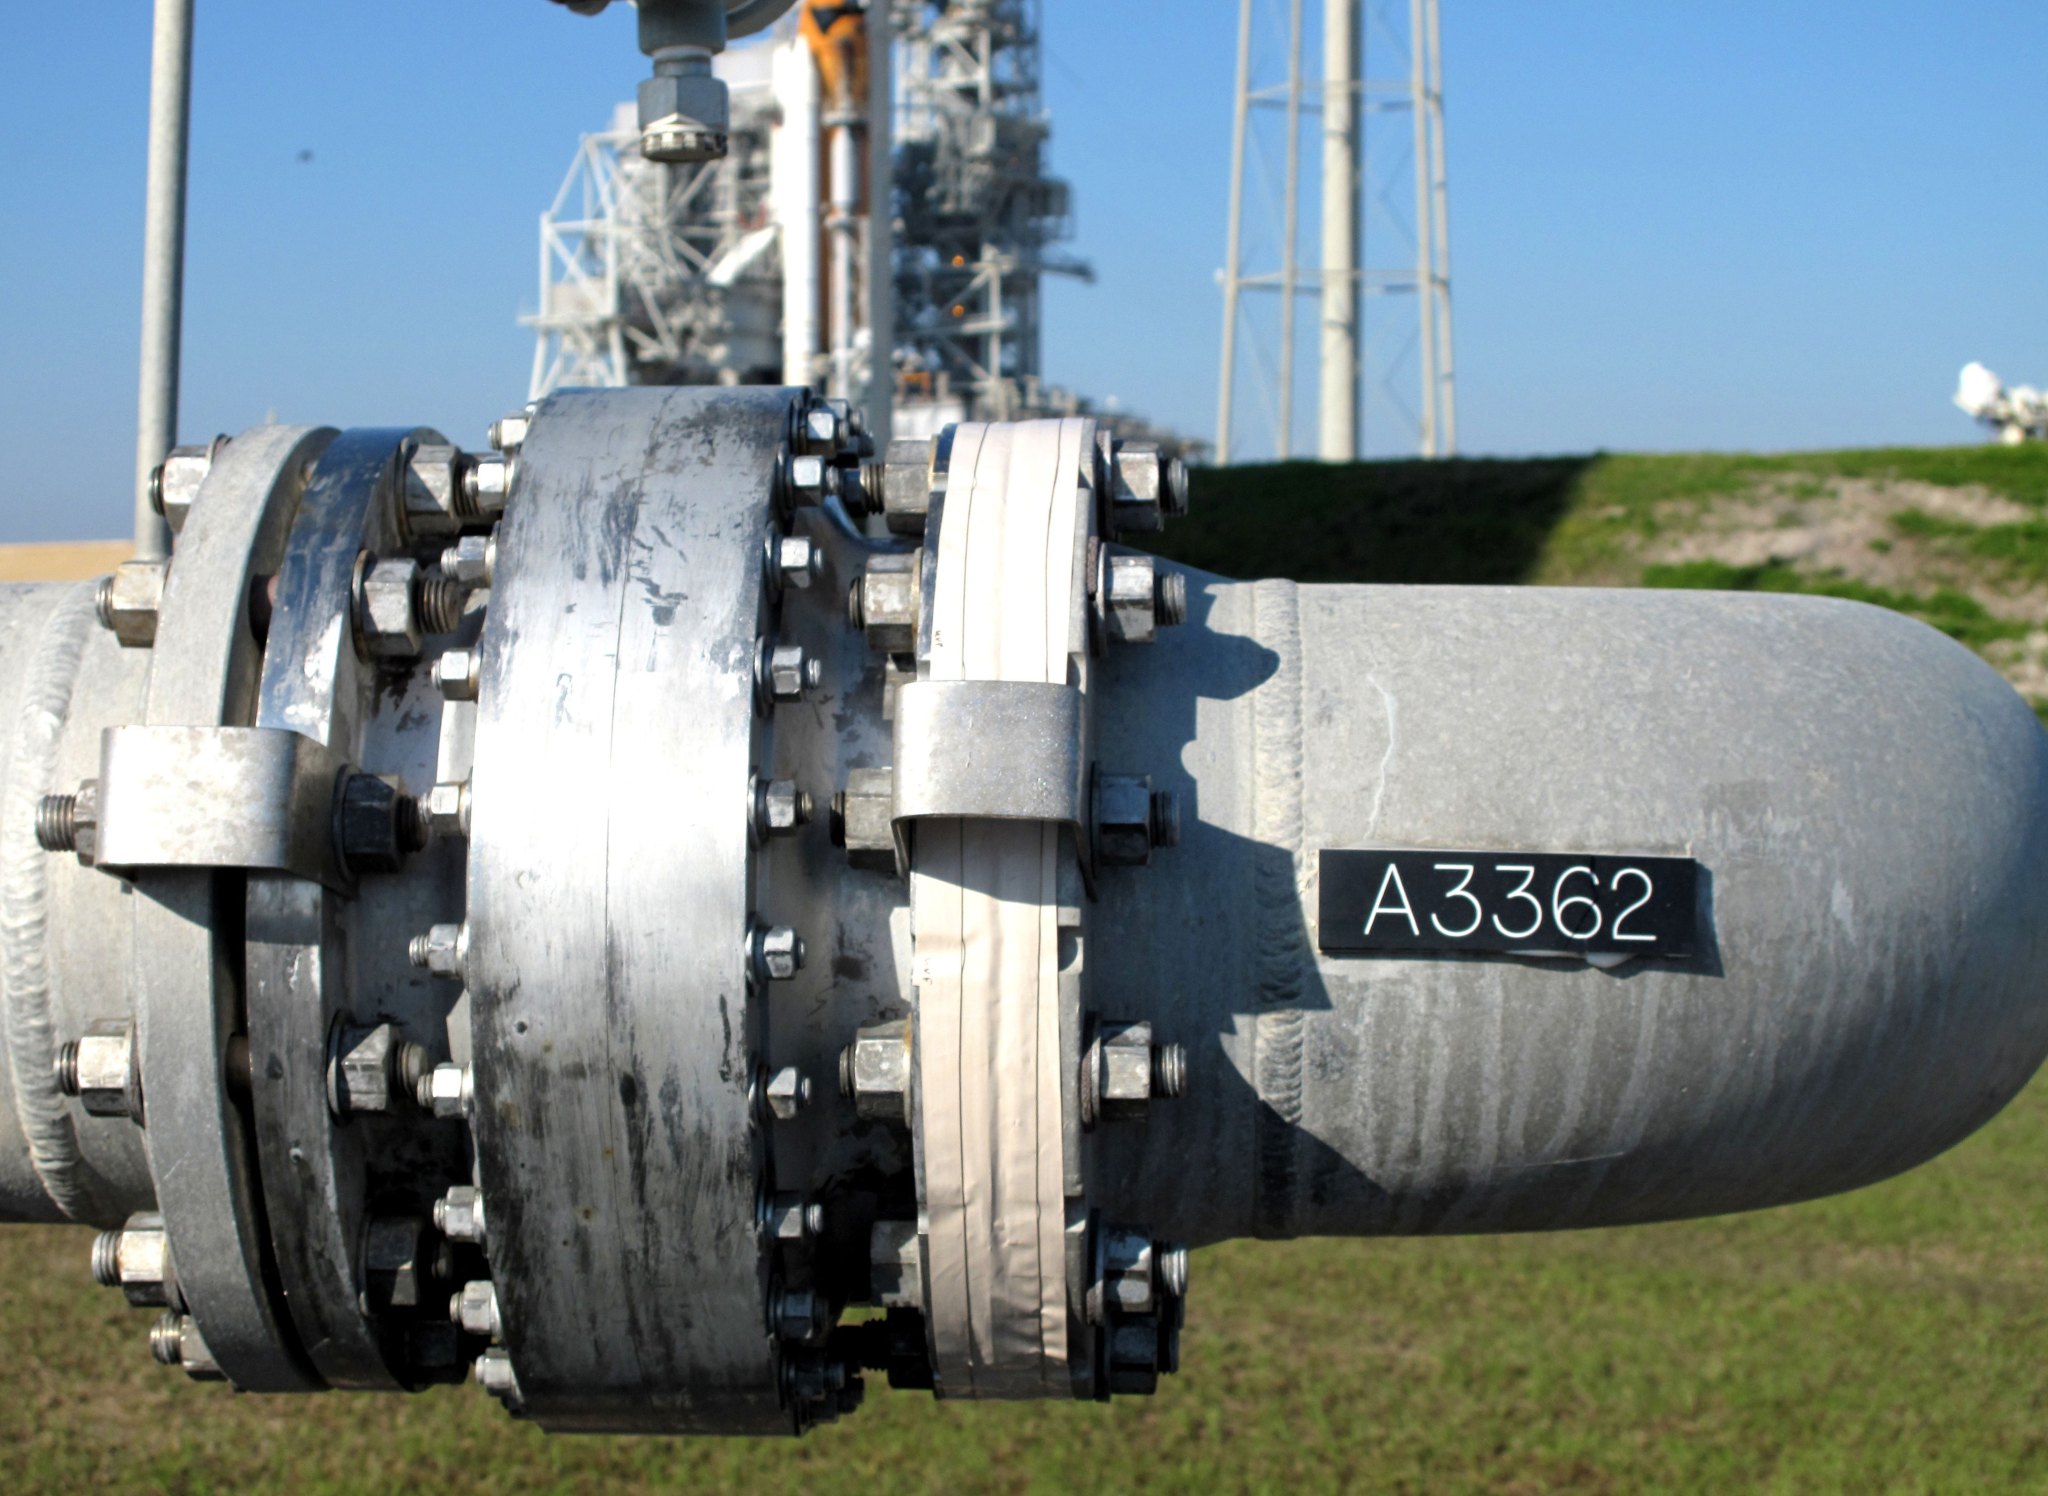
point(1867, 800)
point(613, 1022)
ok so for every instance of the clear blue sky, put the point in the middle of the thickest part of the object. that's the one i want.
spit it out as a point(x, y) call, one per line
point(1676, 224)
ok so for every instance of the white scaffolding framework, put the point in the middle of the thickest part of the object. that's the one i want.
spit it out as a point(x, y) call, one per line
point(977, 209)
point(1383, 282)
point(654, 274)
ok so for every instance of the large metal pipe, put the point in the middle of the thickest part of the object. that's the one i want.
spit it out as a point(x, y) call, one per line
point(163, 262)
point(712, 1077)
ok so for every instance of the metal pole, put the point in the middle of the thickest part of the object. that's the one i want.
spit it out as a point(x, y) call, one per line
point(1338, 405)
point(1425, 255)
point(163, 262)
point(1291, 217)
point(1441, 233)
point(1233, 266)
point(881, 266)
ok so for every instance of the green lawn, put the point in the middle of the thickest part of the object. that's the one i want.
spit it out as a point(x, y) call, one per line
point(1891, 1340)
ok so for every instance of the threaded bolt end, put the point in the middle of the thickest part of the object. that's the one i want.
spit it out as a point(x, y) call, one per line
point(57, 823)
point(1173, 1267)
point(167, 1340)
point(1170, 597)
point(1165, 818)
point(814, 1219)
point(1170, 1071)
point(106, 1259)
point(156, 488)
point(856, 608)
point(439, 603)
point(67, 1067)
point(103, 602)
point(413, 831)
point(419, 950)
point(846, 1072)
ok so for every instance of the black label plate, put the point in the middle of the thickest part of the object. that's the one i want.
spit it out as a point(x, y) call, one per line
point(1529, 903)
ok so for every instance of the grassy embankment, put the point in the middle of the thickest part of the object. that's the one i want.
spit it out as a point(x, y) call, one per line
point(1895, 1339)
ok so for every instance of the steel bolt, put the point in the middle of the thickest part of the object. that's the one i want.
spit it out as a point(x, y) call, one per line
point(458, 673)
point(495, 1375)
point(821, 427)
point(776, 952)
point(874, 1071)
point(1172, 1260)
point(387, 607)
point(793, 560)
point(129, 600)
point(100, 1070)
point(799, 1314)
point(863, 819)
point(883, 604)
point(459, 1214)
point(777, 806)
point(444, 809)
point(442, 950)
point(472, 560)
point(1132, 818)
point(508, 433)
point(377, 824)
point(784, 672)
point(371, 1068)
point(1170, 603)
point(1129, 602)
point(474, 1306)
point(137, 1260)
point(486, 485)
point(174, 483)
point(784, 1092)
point(790, 1217)
point(448, 1090)
point(174, 1340)
point(809, 479)
point(900, 486)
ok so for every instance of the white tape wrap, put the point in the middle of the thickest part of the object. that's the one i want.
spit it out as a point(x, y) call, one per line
point(984, 909)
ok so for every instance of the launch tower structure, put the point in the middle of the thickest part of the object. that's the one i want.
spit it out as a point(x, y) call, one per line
point(1378, 110)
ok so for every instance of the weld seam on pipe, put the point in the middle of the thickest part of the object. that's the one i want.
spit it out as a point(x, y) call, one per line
point(1277, 951)
point(45, 1116)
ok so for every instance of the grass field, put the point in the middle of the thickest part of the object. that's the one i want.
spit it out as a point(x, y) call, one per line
point(1891, 1340)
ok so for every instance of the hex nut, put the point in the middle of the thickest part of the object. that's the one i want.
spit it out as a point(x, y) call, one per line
point(863, 819)
point(896, 1265)
point(874, 1071)
point(174, 1340)
point(777, 952)
point(442, 950)
point(1128, 1286)
point(1137, 487)
point(784, 672)
point(495, 1375)
point(471, 560)
point(508, 433)
point(474, 1306)
point(371, 1068)
point(100, 1068)
point(459, 1214)
point(137, 1260)
point(174, 484)
point(376, 824)
point(884, 603)
point(444, 810)
point(902, 486)
point(684, 116)
point(486, 486)
point(448, 1090)
point(1130, 598)
point(458, 674)
point(129, 600)
point(1122, 1071)
point(793, 560)
point(70, 823)
point(430, 499)
point(387, 607)
point(821, 427)
point(786, 1092)
point(776, 807)
point(809, 478)
point(1124, 825)
point(800, 1314)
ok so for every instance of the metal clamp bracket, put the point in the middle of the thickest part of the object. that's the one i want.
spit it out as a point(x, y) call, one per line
point(989, 750)
point(219, 797)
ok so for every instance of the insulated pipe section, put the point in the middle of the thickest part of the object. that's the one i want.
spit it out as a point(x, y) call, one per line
point(1868, 806)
